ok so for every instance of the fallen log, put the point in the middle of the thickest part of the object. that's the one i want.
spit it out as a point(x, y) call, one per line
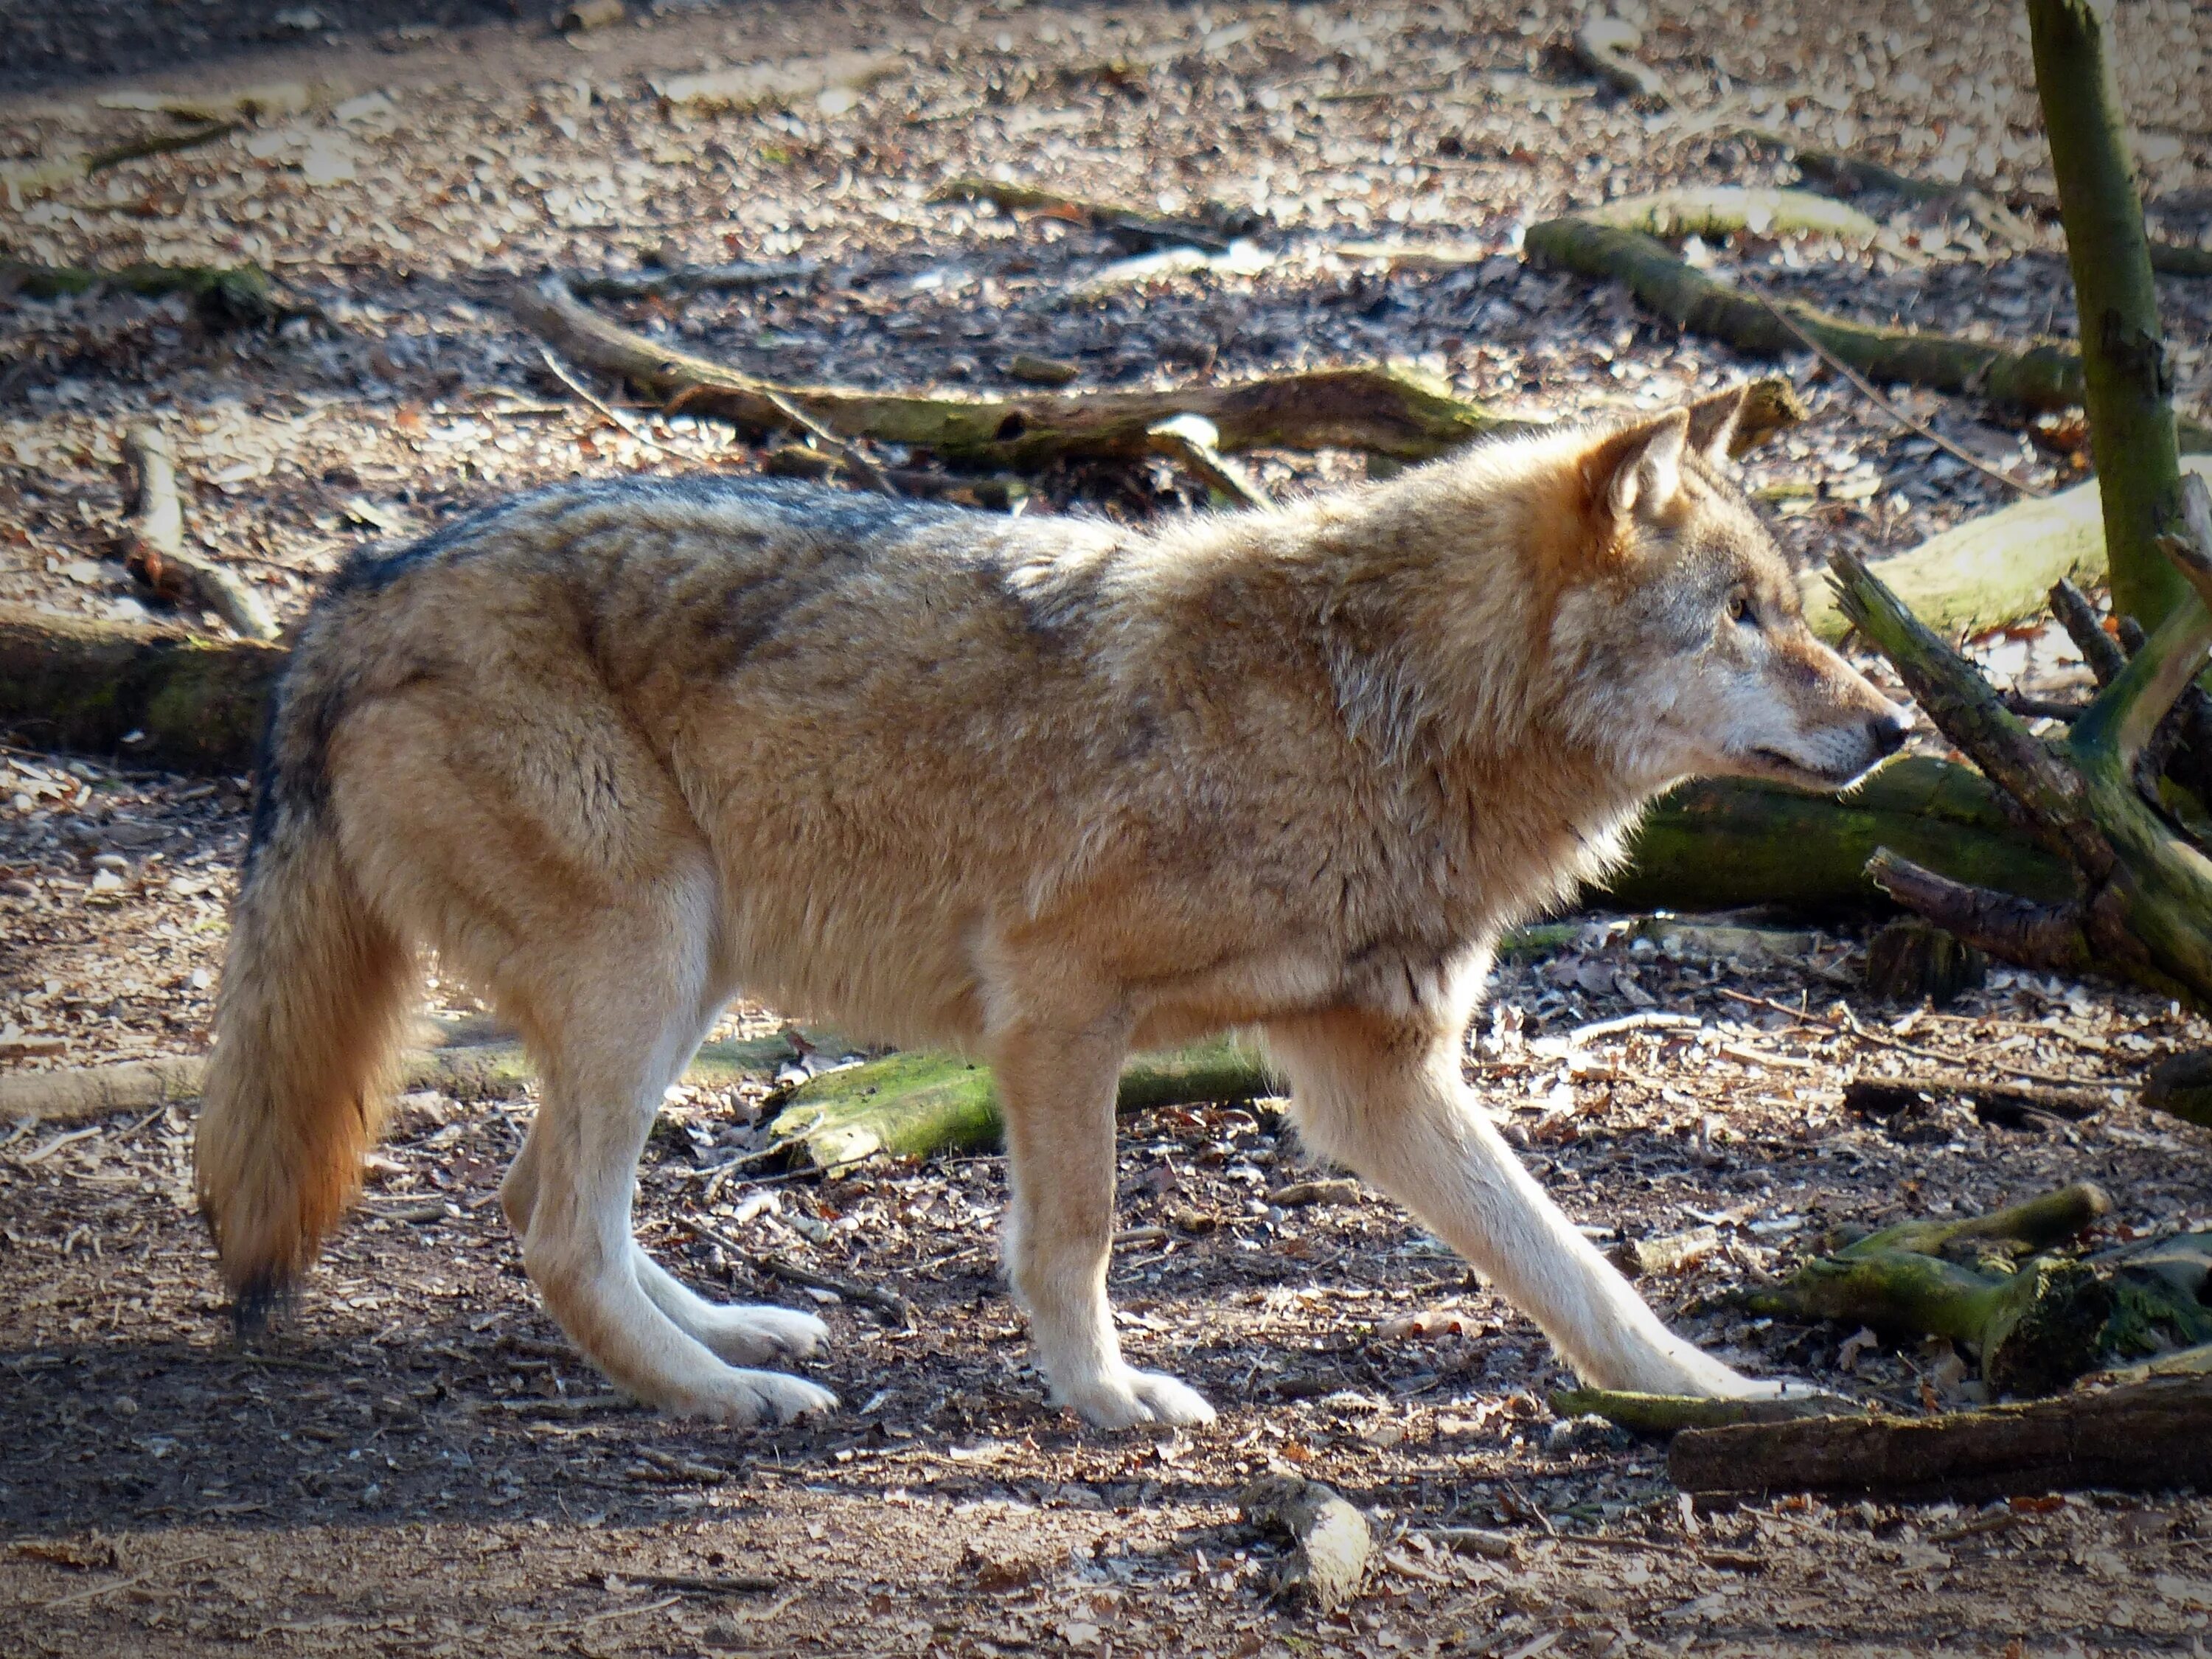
point(1995, 1284)
point(154, 551)
point(1991, 571)
point(1392, 411)
point(2044, 377)
point(920, 1103)
point(181, 700)
point(223, 297)
point(1670, 1414)
point(1715, 210)
point(1720, 846)
point(470, 1067)
point(2148, 1437)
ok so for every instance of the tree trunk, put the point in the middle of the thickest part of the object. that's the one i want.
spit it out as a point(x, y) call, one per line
point(2128, 384)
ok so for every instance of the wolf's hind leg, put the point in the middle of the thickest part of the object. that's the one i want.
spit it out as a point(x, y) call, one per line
point(1058, 1091)
point(602, 1089)
point(745, 1334)
point(1386, 1098)
point(611, 1028)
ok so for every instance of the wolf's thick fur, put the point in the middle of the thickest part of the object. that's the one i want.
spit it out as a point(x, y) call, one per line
point(1045, 789)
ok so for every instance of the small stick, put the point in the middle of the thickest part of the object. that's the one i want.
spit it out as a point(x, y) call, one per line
point(737, 1583)
point(1194, 441)
point(154, 551)
point(615, 417)
point(864, 469)
point(1866, 390)
point(885, 1301)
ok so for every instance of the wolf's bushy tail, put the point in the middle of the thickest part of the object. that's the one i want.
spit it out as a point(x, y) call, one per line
point(315, 994)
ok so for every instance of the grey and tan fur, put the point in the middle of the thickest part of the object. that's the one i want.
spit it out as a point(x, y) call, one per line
point(1045, 789)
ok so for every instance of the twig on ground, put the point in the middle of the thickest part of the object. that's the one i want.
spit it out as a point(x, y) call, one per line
point(1866, 390)
point(885, 1301)
point(1849, 1024)
point(862, 468)
point(154, 551)
point(615, 417)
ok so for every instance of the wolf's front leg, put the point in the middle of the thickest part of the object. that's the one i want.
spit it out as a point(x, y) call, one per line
point(1057, 1089)
point(1384, 1096)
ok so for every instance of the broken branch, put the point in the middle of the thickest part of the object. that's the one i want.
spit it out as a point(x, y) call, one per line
point(154, 551)
point(2047, 376)
point(1330, 1539)
point(1390, 411)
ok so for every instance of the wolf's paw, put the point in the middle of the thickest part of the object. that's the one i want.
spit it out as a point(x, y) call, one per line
point(1688, 1370)
point(1739, 1387)
point(743, 1399)
point(1126, 1398)
point(755, 1336)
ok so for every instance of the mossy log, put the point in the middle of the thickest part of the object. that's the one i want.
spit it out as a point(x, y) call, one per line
point(915, 1105)
point(1715, 210)
point(2148, 1437)
point(2042, 377)
point(223, 297)
point(1392, 411)
point(1991, 1282)
point(1718, 845)
point(185, 703)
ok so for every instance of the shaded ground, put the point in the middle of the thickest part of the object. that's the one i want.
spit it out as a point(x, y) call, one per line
point(417, 1464)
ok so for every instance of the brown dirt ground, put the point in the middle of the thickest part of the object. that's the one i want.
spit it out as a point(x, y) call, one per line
point(416, 1464)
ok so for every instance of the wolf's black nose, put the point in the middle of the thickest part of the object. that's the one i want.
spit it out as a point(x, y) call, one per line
point(1888, 731)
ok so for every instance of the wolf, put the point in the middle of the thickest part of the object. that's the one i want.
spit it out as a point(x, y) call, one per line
point(1041, 789)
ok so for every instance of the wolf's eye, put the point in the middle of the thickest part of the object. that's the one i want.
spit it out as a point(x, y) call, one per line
point(1739, 609)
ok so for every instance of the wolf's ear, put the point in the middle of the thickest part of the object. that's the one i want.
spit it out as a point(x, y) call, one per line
point(1713, 422)
point(1637, 472)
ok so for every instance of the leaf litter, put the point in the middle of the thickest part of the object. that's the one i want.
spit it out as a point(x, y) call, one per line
point(418, 1462)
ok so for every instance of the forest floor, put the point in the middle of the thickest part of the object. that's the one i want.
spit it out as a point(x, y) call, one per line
point(415, 1462)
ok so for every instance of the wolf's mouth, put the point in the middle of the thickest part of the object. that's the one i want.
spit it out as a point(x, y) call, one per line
point(1795, 771)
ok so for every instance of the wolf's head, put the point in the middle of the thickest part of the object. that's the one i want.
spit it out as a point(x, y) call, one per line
point(1677, 642)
